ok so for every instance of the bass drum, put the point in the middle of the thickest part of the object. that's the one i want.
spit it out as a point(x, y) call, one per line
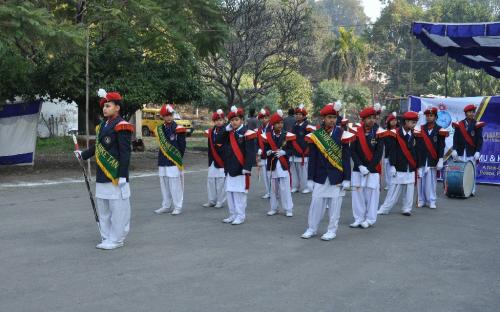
point(459, 179)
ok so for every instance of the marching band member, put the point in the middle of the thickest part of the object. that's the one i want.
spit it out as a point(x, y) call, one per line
point(468, 138)
point(239, 156)
point(112, 151)
point(329, 171)
point(391, 123)
point(278, 148)
point(366, 153)
point(299, 159)
point(430, 146)
point(216, 179)
point(404, 162)
point(171, 139)
point(261, 160)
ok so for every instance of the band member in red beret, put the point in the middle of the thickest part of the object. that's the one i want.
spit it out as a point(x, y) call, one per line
point(391, 122)
point(404, 163)
point(278, 148)
point(216, 179)
point(239, 157)
point(366, 153)
point(430, 147)
point(261, 159)
point(329, 172)
point(468, 138)
point(300, 157)
point(171, 139)
point(112, 151)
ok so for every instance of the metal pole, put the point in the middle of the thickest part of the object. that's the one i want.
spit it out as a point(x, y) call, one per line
point(87, 133)
point(446, 78)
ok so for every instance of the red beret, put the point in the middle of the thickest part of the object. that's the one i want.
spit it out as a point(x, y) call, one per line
point(102, 102)
point(369, 111)
point(166, 110)
point(276, 117)
point(390, 117)
point(329, 109)
point(263, 113)
point(236, 112)
point(219, 114)
point(469, 107)
point(431, 110)
point(410, 116)
point(301, 110)
point(113, 96)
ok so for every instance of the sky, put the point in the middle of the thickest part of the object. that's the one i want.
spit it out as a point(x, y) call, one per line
point(372, 8)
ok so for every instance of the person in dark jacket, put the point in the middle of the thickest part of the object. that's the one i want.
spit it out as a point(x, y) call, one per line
point(300, 157)
point(329, 171)
point(171, 139)
point(289, 120)
point(404, 163)
point(112, 151)
point(468, 138)
point(216, 179)
point(391, 122)
point(261, 159)
point(366, 153)
point(430, 146)
point(239, 158)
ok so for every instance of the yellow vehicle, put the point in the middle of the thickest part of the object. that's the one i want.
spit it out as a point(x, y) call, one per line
point(151, 119)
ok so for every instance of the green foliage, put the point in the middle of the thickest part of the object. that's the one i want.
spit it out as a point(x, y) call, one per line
point(55, 145)
point(294, 89)
point(353, 96)
point(465, 82)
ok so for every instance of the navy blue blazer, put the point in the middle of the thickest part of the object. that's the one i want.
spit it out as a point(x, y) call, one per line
point(375, 144)
point(300, 132)
point(281, 143)
point(475, 130)
point(319, 168)
point(216, 131)
point(176, 135)
point(116, 139)
point(245, 138)
point(396, 156)
point(437, 137)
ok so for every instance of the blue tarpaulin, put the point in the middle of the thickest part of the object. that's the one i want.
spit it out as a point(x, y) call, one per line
point(476, 45)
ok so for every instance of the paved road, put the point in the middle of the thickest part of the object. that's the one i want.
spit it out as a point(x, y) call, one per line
point(437, 260)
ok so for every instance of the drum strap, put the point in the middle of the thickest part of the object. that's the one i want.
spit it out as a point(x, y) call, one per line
point(465, 134)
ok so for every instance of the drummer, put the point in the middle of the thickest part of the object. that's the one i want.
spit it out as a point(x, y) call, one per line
point(468, 138)
point(430, 147)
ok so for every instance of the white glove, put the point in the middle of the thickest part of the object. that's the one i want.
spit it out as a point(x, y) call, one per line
point(245, 172)
point(427, 169)
point(440, 165)
point(122, 182)
point(78, 154)
point(310, 184)
point(392, 171)
point(281, 153)
point(269, 152)
point(477, 155)
point(454, 155)
point(346, 184)
point(229, 127)
point(363, 170)
point(420, 172)
point(259, 152)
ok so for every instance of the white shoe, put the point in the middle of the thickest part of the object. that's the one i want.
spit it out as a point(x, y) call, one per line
point(328, 236)
point(365, 224)
point(266, 196)
point(289, 214)
point(308, 234)
point(228, 220)
point(219, 206)
point(386, 188)
point(99, 246)
point(111, 245)
point(420, 205)
point(272, 212)
point(162, 210)
point(355, 224)
point(294, 190)
point(306, 191)
point(432, 206)
point(208, 205)
point(176, 212)
point(237, 221)
point(380, 212)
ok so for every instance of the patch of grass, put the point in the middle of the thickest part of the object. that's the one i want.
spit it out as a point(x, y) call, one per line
point(55, 145)
point(196, 144)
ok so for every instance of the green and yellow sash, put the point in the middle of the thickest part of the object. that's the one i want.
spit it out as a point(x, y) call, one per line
point(168, 150)
point(108, 164)
point(328, 147)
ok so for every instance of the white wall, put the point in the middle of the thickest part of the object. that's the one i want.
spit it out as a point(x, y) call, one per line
point(65, 118)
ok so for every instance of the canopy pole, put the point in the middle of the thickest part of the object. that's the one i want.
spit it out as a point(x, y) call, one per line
point(446, 78)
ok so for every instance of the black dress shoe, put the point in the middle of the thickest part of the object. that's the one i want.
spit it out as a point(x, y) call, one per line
point(406, 214)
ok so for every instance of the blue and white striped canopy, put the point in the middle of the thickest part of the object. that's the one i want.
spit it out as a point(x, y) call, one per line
point(476, 45)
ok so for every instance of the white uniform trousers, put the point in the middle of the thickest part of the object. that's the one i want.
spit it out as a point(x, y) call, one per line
point(281, 194)
point(237, 204)
point(426, 187)
point(393, 195)
point(216, 190)
point(365, 196)
point(325, 195)
point(265, 176)
point(299, 173)
point(471, 158)
point(387, 174)
point(172, 192)
point(114, 218)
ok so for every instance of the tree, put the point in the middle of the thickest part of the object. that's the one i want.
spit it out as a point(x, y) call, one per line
point(342, 12)
point(293, 90)
point(464, 82)
point(354, 96)
point(262, 43)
